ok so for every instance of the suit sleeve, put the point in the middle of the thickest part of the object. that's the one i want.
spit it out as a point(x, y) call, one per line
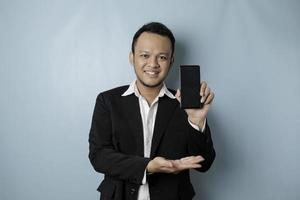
point(200, 143)
point(103, 153)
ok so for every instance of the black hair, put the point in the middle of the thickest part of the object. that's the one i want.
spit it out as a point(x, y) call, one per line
point(157, 28)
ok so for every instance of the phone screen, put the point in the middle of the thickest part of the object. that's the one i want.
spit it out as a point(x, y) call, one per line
point(190, 86)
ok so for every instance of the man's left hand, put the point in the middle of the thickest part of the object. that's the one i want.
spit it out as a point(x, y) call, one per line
point(198, 115)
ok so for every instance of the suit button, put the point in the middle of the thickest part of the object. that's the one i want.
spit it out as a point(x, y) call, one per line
point(132, 190)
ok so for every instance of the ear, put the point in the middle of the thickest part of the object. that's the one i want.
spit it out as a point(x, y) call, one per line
point(172, 61)
point(131, 58)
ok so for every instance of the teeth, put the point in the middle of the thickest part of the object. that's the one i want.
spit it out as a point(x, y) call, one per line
point(151, 73)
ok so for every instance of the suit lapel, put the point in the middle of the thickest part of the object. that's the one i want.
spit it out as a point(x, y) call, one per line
point(165, 110)
point(133, 115)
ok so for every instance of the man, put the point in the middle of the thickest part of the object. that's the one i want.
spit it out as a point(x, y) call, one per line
point(140, 138)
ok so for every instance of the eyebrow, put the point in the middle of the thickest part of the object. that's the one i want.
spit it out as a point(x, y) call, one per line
point(140, 51)
point(143, 51)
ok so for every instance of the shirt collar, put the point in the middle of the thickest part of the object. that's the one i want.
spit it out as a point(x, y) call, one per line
point(132, 89)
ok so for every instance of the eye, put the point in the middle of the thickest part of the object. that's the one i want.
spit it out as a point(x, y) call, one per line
point(163, 57)
point(144, 56)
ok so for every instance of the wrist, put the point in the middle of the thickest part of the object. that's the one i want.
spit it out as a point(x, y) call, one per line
point(197, 121)
point(150, 168)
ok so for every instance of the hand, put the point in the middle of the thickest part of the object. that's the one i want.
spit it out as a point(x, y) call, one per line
point(197, 116)
point(162, 165)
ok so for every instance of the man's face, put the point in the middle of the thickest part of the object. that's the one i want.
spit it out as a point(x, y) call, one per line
point(152, 59)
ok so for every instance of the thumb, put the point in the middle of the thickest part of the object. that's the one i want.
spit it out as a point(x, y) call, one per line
point(178, 95)
point(166, 163)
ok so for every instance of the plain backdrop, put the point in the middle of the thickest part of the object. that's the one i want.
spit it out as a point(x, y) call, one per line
point(56, 56)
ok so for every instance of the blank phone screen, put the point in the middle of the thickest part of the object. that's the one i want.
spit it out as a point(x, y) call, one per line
point(190, 86)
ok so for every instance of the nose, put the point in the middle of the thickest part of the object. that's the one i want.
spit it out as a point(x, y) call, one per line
point(153, 62)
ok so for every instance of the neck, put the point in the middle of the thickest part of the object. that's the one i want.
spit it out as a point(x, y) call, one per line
point(149, 93)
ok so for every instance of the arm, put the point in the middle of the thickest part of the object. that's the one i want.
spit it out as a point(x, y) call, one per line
point(103, 153)
point(200, 143)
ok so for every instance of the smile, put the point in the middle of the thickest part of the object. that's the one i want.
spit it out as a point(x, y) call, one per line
point(152, 72)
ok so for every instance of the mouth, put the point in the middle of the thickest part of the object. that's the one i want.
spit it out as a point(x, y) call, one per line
point(152, 73)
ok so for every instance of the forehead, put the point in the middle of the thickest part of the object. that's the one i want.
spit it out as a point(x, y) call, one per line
point(153, 42)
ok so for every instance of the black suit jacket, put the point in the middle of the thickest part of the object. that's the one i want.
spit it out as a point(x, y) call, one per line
point(116, 147)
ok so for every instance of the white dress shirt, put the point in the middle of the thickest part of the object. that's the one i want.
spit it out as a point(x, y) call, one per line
point(148, 114)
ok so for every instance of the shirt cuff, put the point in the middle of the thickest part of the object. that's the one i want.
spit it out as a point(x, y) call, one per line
point(197, 127)
point(144, 178)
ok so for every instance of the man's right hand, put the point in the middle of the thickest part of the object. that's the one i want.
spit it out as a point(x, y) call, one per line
point(162, 165)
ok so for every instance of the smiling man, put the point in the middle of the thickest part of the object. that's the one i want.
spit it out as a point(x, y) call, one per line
point(140, 138)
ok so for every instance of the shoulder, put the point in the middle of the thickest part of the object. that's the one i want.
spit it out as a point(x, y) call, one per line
point(113, 93)
point(118, 91)
point(172, 91)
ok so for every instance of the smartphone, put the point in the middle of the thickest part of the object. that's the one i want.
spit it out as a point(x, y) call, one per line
point(190, 86)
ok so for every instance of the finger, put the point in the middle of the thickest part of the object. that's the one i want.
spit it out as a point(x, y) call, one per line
point(184, 166)
point(178, 95)
point(192, 158)
point(194, 166)
point(177, 164)
point(202, 88)
point(197, 159)
point(193, 161)
point(210, 98)
point(206, 93)
point(187, 159)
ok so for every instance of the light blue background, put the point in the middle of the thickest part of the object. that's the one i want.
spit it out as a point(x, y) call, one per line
point(56, 56)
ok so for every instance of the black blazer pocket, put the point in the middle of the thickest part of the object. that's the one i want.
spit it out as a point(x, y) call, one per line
point(107, 189)
point(186, 192)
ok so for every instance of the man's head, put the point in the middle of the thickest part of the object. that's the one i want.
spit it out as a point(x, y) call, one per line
point(156, 28)
point(152, 54)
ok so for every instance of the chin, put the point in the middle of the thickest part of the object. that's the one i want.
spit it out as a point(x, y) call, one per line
point(152, 85)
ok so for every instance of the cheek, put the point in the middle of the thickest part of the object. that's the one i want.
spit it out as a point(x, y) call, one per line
point(140, 63)
point(165, 68)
